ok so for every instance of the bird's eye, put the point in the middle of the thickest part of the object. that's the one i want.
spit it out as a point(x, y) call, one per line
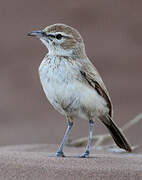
point(59, 36)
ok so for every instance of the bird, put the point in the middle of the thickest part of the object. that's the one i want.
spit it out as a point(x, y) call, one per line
point(73, 85)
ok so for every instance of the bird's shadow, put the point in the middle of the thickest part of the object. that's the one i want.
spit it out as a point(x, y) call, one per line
point(73, 156)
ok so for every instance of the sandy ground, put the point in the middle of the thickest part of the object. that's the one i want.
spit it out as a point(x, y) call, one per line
point(38, 162)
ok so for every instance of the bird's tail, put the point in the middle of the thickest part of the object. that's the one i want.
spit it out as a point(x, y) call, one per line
point(117, 135)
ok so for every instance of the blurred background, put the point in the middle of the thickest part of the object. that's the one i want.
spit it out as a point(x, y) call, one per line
point(112, 31)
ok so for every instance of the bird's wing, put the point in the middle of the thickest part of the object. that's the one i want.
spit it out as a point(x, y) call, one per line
point(92, 77)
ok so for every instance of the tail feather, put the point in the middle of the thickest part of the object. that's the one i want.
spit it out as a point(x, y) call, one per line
point(117, 135)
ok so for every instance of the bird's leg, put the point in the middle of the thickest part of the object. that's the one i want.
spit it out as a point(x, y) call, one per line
point(60, 151)
point(87, 152)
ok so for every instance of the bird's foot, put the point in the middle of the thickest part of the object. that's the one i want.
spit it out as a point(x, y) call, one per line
point(85, 155)
point(60, 154)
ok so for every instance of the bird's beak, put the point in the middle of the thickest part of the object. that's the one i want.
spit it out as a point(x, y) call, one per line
point(38, 34)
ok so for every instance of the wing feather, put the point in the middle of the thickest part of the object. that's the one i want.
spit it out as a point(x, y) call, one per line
point(93, 78)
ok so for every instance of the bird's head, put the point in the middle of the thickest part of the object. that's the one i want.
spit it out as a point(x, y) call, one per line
point(61, 39)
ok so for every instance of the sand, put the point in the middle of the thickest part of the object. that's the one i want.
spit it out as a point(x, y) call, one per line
point(38, 162)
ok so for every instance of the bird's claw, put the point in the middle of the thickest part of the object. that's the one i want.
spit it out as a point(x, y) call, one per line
point(60, 154)
point(85, 155)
